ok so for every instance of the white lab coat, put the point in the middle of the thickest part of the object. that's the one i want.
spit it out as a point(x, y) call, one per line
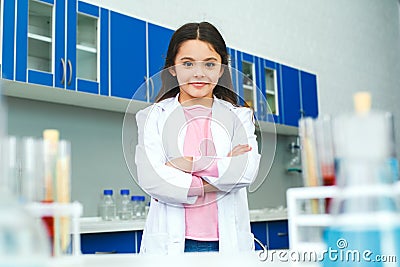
point(161, 134)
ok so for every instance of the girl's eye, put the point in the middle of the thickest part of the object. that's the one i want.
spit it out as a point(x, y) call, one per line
point(210, 64)
point(187, 64)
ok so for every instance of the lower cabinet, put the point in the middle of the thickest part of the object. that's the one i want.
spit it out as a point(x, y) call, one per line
point(272, 234)
point(111, 242)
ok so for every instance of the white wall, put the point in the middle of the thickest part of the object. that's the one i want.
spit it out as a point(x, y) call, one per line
point(351, 45)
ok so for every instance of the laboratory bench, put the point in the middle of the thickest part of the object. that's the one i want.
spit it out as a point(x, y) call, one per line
point(269, 226)
point(187, 259)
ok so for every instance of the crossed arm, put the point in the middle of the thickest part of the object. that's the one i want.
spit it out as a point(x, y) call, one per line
point(188, 164)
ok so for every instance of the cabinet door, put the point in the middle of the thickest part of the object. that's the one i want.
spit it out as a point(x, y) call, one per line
point(278, 237)
point(88, 53)
point(8, 36)
point(271, 90)
point(291, 95)
point(57, 44)
point(259, 230)
point(128, 56)
point(111, 242)
point(115, 242)
point(157, 45)
point(35, 39)
point(247, 79)
point(309, 97)
point(261, 110)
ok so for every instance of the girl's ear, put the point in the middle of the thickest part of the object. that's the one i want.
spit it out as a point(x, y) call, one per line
point(172, 71)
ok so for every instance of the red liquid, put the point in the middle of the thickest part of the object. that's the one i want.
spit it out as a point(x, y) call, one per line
point(328, 180)
point(48, 222)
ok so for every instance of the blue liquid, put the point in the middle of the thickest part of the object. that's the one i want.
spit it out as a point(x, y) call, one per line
point(362, 247)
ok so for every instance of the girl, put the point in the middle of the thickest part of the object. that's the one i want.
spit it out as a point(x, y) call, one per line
point(197, 151)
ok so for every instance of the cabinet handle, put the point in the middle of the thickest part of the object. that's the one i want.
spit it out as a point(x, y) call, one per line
point(63, 66)
point(282, 234)
point(70, 72)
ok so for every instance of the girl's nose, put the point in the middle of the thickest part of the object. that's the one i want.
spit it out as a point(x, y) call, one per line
point(198, 70)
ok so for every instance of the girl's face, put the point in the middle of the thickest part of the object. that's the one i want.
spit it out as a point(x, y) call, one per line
point(198, 69)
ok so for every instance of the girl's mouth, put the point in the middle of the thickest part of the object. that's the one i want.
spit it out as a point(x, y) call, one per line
point(198, 84)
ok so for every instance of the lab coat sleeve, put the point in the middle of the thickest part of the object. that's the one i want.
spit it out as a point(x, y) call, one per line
point(162, 182)
point(238, 171)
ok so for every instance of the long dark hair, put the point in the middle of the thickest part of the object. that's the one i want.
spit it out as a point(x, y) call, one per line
point(206, 32)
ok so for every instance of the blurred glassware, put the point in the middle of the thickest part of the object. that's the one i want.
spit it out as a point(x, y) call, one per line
point(23, 239)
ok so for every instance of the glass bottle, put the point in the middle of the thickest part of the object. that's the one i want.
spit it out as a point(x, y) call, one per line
point(107, 206)
point(124, 205)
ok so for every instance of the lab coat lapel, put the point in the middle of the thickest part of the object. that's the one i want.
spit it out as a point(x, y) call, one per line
point(173, 128)
point(222, 127)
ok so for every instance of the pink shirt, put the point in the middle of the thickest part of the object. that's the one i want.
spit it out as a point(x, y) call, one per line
point(201, 217)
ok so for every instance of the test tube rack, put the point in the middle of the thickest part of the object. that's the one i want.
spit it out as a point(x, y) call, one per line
point(72, 210)
point(303, 223)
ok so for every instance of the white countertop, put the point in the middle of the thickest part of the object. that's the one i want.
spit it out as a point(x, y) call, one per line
point(97, 225)
point(187, 259)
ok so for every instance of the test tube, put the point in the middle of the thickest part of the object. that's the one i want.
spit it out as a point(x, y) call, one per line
point(310, 166)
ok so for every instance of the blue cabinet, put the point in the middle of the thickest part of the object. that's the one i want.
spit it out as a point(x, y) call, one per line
point(128, 56)
point(272, 234)
point(157, 47)
point(291, 95)
point(73, 45)
point(309, 97)
point(299, 95)
point(111, 242)
point(62, 43)
point(259, 230)
point(277, 234)
point(276, 92)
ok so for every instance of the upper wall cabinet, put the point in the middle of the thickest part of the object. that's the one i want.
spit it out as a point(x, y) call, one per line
point(78, 46)
point(277, 93)
point(62, 43)
point(128, 56)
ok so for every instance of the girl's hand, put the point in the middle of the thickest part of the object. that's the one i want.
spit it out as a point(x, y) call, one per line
point(208, 187)
point(184, 164)
point(239, 150)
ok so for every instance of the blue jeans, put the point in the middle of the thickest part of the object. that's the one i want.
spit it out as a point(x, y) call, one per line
point(201, 246)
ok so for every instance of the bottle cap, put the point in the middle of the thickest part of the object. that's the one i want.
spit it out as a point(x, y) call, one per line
point(124, 192)
point(108, 192)
point(135, 198)
point(366, 134)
